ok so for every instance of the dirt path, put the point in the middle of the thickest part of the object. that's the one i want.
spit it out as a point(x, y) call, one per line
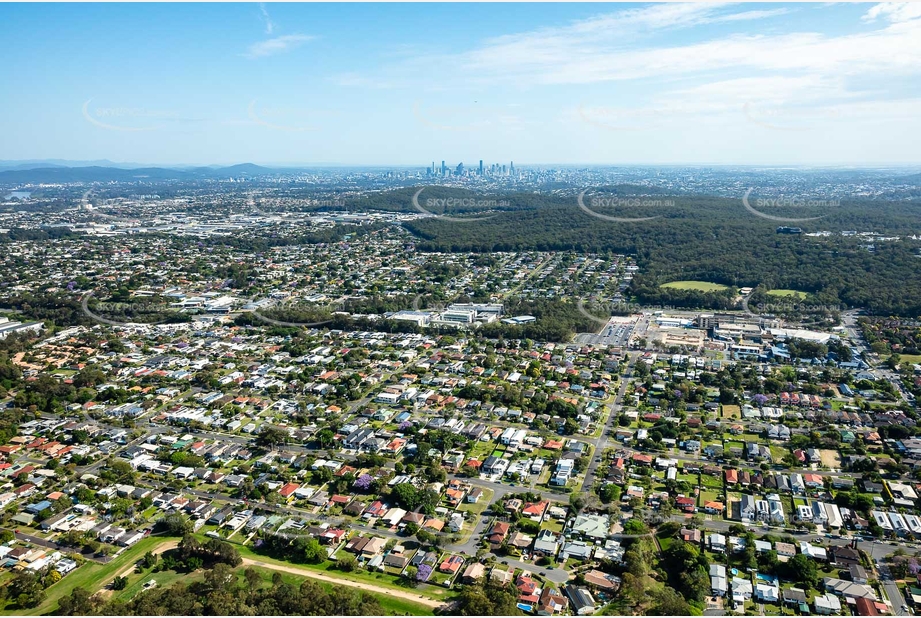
point(408, 596)
point(104, 591)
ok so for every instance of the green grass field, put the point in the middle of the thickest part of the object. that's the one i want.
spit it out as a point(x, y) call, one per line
point(912, 359)
point(702, 286)
point(92, 574)
point(378, 579)
point(788, 294)
point(164, 579)
point(391, 605)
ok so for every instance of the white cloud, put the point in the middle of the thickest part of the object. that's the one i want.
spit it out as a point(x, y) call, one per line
point(750, 15)
point(595, 51)
point(278, 45)
point(269, 24)
point(895, 12)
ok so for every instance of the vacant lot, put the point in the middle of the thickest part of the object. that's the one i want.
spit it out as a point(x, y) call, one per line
point(732, 411)
point(778, 453)
point(708, 496)
point(703, 286)
point(830, 458)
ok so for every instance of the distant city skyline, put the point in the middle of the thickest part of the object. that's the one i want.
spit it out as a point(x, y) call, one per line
point(396, 84)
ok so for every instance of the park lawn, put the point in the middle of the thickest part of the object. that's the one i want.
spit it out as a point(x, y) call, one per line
point(164, 579)
point(788, 293)
point(913, 359)
point(92, 574)
point(378, 579)
point(391, 605)
point(702, 286)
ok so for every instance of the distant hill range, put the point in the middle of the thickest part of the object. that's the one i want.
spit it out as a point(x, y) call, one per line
point(53, 173)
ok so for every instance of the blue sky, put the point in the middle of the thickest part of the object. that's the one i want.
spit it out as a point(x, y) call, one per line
point(405, 84)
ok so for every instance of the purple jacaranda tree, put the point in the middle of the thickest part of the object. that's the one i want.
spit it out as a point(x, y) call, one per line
point(424, 572)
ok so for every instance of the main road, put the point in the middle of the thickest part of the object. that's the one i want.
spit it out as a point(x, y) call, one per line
point(599, 442)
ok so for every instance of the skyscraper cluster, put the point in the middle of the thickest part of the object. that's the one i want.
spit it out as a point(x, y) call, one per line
point(494, 169)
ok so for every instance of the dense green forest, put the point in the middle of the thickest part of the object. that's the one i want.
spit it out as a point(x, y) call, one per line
point(715, 239)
